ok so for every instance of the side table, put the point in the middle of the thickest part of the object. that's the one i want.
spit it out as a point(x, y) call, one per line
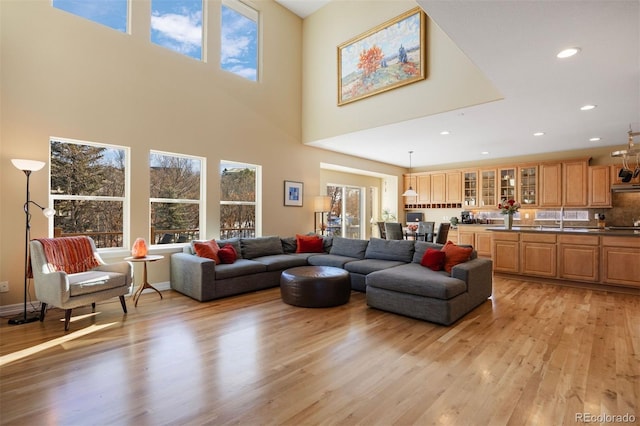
point(145, 283)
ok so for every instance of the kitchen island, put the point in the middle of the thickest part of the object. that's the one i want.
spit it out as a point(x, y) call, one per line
point(608, 258)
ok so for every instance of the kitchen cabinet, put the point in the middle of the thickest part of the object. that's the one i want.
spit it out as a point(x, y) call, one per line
point(424, 188)
point(550, 185)
point(620, 261)
point(575, 182)
point(438, 188)
point(506, 252)
point(579, 257)
point(453, 187)
point(538, 254)
point(470, 188)
point(488, 188)
point(483, 242)
point(507, 184)
point(528, 186)
point(600, 186)
point(476, 236)
point(615, 176)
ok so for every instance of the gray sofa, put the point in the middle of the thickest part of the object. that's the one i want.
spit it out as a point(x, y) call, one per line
point(389, 271)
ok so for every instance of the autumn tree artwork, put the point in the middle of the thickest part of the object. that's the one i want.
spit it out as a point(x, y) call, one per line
point(388, 56)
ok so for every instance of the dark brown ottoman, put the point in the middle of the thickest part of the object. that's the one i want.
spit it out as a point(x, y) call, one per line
point(315, 286)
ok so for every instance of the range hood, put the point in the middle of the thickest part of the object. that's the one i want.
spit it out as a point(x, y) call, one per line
point(625, 187)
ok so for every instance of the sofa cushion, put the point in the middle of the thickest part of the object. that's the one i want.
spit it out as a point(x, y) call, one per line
point(335, 260)
point(433, 259)
point(239, 268)
point(289, 244)
point(261, 246)
point(422, 246)
point(208, 249)
point(93, 281)
point(278, 262)
point(349, 247)
point(455, 254)
point(400, 250)
point(309, 244)
point(367, 266)
point(413, 278)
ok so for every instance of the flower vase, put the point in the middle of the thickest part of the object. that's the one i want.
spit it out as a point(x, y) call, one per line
point(508, 221)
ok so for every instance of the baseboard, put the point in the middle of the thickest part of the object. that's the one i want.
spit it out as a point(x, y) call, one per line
point(18, 308)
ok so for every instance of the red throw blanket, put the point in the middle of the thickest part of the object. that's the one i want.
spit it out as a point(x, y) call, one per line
point(69, 254)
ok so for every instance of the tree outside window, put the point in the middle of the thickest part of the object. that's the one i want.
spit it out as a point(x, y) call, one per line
point(238, 196)
point(175, 189)
point(88, 190)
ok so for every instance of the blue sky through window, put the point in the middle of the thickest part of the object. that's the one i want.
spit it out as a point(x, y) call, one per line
point(112, 13)
point(239, 44)
point(177, 25)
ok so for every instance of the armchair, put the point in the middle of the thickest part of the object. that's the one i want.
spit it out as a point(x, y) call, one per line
point(68, 272)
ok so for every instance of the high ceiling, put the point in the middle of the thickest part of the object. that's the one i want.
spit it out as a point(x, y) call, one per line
point(514, 43)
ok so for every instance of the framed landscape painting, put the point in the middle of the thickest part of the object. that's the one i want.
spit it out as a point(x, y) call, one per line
point(390, 55)
point(293, 193)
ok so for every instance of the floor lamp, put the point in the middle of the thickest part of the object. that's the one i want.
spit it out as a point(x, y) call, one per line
point(321, 204)
point(28, 166)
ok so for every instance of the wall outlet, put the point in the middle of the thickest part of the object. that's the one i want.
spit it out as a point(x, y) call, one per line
point(4, 286)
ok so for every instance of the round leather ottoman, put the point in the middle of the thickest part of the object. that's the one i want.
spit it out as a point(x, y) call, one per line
point(315, 286)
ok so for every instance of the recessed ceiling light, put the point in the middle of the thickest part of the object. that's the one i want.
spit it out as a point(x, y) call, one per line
point(594, 139)
point(567, 53)
point(538, 134)
point(445, 132)
point(484, 153)
point(587, 107)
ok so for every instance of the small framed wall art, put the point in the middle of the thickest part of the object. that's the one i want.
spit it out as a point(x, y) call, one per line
point(293, 193)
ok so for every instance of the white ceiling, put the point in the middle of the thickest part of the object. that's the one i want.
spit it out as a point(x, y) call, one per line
point(514, 43)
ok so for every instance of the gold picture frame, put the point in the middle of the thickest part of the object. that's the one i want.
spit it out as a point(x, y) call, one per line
point(389, 56)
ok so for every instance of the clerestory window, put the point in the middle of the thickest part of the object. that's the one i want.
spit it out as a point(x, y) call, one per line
point(112, 13)
point(239, 39)
point(177, 25)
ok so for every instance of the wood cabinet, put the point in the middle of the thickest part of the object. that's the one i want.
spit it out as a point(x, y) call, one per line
point(599, 186)
point(453, 188)
point(478, 237)
point(575, 182)
point(621, 261)
point(466, 236)
point(506, 252)
point(615, 174)
point(483, 243)
point(507, 184)
point(550, 185)
point(424, 188)
point(488, 197)
point(538, 254)
point(470, 188)
point(579, 257)
point(528, 186)
point(438, 188)
point(453, 235)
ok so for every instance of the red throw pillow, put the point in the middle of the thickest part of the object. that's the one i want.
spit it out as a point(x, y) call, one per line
point(228, 254)
point(454, 255)
point(208, 249)
point(433, 259)
point(309, 244)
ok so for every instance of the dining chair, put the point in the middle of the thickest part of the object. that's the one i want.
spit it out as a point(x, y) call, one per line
point(393, 231)
point(382, 231)
point(425, 231)
point(443, 233)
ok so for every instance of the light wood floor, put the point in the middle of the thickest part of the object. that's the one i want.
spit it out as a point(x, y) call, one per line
point(536, 354)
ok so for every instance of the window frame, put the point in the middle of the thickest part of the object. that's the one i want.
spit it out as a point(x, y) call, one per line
point(202, 211)
point(257, 203)
point(125, 199)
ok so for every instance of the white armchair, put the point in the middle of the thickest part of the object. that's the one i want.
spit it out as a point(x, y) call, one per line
point(87, 285)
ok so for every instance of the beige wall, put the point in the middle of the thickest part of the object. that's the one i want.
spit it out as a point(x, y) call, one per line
point(452, 81)
point(68, 77)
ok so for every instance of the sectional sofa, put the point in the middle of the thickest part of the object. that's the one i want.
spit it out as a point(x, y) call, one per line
point(389, 271)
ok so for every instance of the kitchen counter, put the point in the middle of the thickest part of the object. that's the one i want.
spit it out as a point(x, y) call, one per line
point(569, 230)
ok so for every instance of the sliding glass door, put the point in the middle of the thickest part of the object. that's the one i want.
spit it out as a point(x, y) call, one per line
point(346, 218)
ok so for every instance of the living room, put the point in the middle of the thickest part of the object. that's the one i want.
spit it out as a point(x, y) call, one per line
point(66, 77)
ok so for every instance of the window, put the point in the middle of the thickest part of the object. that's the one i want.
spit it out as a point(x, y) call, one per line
point(346, 215)
point(239, 39)
point(88, 190)
point(176, 188)
point(239, 200)
point(112, 13)
point(177, 25)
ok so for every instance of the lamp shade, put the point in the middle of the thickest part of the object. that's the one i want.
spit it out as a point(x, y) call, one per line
point(322, 203)
point(28, 165)
point(410, 193)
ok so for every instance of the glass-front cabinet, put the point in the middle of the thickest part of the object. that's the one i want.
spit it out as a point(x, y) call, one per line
point(470, 188)
point(488, 182)
point(507, 189)
point(528, 177)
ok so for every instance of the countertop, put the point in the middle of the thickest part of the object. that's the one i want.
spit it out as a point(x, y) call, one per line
point(568, 230)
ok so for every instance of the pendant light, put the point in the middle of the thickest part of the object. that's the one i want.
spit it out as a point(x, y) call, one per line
point(410, 192)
